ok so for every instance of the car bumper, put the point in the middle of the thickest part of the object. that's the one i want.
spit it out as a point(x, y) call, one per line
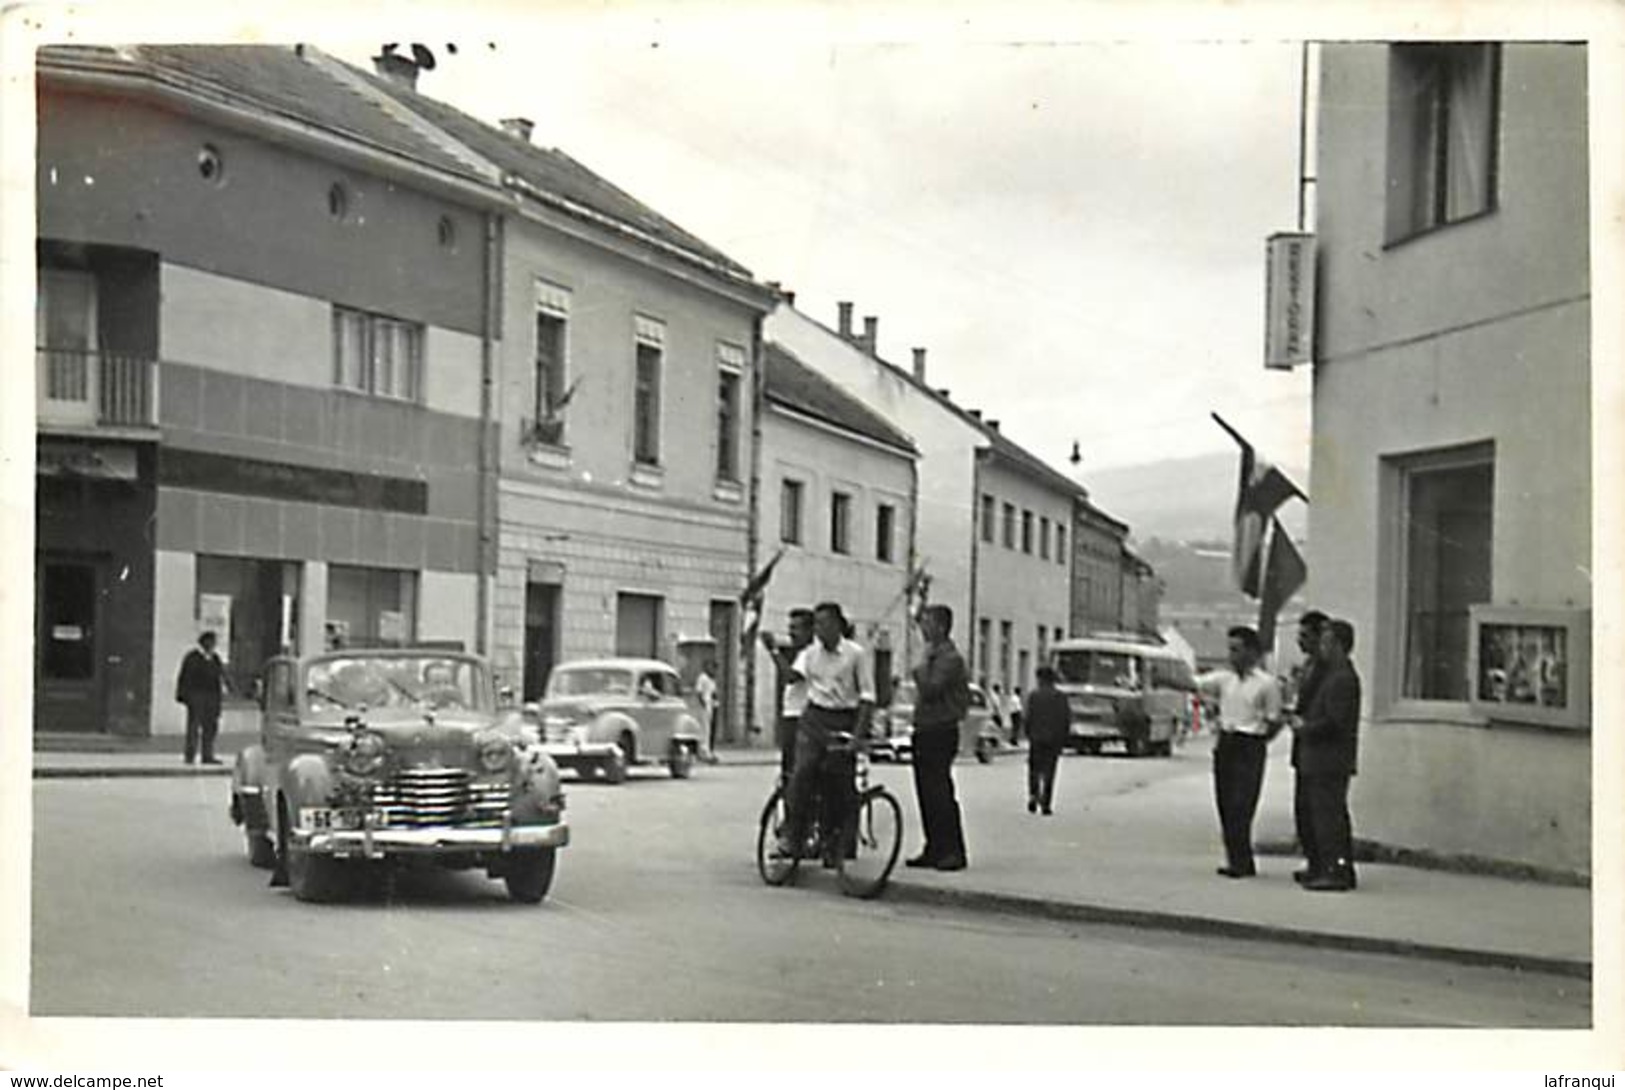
point(377, 843)
point(568, 755)
point(1095, 730)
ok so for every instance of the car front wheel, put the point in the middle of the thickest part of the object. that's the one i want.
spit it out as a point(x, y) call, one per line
point(314, 877)
point(529, 874)
point(681, 762)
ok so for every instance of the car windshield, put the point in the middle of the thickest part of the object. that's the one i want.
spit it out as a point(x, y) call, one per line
point(590, 681)
point(396, 682)
point(1106, 668)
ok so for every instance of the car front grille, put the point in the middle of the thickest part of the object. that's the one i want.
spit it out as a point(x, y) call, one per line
point(417, 797)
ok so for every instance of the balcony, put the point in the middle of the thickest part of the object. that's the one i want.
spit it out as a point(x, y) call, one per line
point(80, 390)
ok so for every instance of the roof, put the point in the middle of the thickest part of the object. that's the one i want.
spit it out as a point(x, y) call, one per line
point(999, 445)
point(1117, 643)
point(615, 664)
point(552, 172)
point(282, 80)
point(789, 382)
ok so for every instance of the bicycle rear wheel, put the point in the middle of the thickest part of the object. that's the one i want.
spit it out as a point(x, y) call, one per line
point(776, 870)
point(873, 837)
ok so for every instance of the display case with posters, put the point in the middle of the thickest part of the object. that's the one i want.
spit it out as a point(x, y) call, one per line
point(1530, 665)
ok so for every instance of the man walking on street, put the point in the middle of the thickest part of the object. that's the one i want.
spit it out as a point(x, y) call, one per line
point(942, 696)
point(198, 687)
point(1049, 720)
point(1306, 678)
point(1324, 755)
point(1249, 716)
point(840, 698)
point(705, 691)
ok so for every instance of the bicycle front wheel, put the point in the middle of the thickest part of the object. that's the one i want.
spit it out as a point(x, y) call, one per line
point(872, 839)
point(776, 870)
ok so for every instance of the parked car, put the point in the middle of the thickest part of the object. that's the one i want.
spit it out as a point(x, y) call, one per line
point(1125, 689)
point(394, 755)
point(979, 732)
point(601, 716)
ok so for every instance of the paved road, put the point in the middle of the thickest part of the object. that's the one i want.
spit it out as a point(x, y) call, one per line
point(144, 904)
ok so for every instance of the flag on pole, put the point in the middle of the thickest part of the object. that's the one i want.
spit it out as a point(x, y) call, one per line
point(750, 599)
point(1261, 490)
point(1284, 573)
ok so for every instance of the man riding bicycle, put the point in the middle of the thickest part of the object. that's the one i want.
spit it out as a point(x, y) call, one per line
point(840, 699)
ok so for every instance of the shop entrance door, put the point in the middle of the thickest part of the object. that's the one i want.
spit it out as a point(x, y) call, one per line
point(68, 677)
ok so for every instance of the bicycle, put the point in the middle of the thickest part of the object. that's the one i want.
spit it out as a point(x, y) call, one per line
point(871, 834)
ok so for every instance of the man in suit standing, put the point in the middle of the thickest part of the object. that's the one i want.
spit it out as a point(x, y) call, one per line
point(198, 687)
point(942, 696)
point(1306, 679)
point(1326, 744)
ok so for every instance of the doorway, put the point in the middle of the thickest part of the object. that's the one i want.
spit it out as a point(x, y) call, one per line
point(541, 637)
point(68, 679)
point(724, 631)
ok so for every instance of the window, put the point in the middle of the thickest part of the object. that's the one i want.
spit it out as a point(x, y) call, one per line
point(1448, 504)
point(1042, 643)
point(1443, 102)
point(790, 497)
point(987, 518)
point(1060, 543)
point(1009, 526)
point(374, 354)
point(885, 519)
point(730, 366)
point(840, 522)
point(639, 619)
point(651, 339)
point(1027, 532)
point(984, 641)
point(1059, 635)
point(1024, 669)
point(371, 606)
point(552, 393)
point(1043, 538)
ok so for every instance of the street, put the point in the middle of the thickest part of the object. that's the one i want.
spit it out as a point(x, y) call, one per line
point(145, 905)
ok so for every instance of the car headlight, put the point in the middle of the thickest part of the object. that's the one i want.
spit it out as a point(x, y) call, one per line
point(495, 752)
point(364, 756)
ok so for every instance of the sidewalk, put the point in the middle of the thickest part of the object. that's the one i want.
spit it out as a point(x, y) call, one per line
point(1143, 856)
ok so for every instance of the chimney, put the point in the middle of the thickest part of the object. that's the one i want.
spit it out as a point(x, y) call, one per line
point(518, 126)
point(396, 68)
point(789, 297)
point(919, 365)
point(942, 391)
point(994, 424)
point(976, 413)
point(846, 320)
point(871, 334)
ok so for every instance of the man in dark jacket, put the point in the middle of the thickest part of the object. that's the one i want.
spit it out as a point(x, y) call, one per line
point(942, 696)
point(1324, 755)
point(198, 687)
point(1306, 678)
point(1049, 721)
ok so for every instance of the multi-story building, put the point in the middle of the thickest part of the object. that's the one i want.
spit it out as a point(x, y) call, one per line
point(838, 487)
point(1451, 520)
point(992, 520)
point(262, 331)
point(626, 400)
point(1097, 569)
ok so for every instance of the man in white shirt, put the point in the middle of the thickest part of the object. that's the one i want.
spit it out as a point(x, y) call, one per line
point(792, 693)
point(1249, 716)
point(705, 691)
point(840, 698)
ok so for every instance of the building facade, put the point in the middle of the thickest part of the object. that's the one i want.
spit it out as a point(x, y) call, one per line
point(625, 404)
point(260, 334)
point(1452, 438)
point(838, 488)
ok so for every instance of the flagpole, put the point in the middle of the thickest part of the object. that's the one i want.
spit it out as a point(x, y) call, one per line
point(1265, 622)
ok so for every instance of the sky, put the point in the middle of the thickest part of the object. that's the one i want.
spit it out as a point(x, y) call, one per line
point(1074, 231)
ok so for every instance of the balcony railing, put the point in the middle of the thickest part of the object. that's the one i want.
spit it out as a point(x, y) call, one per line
point(82, 388)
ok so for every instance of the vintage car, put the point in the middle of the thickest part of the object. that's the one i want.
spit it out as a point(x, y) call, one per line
point(395, 755)
point(601, 716)
point(979, 733)
point(1125, 688)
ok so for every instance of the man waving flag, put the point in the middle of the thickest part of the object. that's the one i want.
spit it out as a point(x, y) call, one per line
point(750, 599)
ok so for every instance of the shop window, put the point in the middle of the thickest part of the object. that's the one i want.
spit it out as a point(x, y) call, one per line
point(371, 607)
point(1448, 505)
point(252, 606)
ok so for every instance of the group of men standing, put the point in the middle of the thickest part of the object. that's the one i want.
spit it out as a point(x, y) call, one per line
point(1324, 718)
point(828, 684)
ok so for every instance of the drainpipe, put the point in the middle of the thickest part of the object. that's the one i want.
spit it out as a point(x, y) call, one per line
point(914, 561)
point(753, 509)
point(973, 632)
point(484, 498)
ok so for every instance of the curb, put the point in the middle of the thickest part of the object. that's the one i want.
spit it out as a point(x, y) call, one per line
point(105, 773)
point(1152, 919)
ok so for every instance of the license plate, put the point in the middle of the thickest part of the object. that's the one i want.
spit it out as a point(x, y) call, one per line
point(327, 818)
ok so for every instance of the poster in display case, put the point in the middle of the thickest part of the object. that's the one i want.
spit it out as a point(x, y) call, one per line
point(1531, 665)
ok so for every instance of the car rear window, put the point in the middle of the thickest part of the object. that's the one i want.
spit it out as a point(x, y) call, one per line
point(590, 682)
point(1107, 668)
